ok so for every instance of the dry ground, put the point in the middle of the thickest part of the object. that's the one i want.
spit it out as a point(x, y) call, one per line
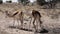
point(50, 19)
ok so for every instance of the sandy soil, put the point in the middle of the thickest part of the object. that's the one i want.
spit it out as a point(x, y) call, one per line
point(50, 19)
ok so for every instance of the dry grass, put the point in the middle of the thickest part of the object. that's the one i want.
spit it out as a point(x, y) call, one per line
point(50, 23)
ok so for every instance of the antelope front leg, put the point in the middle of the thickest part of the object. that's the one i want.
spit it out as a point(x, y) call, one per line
point(30, 22)
point(21, 23)
point(40, 25)
point(34, 25)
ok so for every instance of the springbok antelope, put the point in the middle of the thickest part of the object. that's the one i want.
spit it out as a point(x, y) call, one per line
point(17, 15)
point(36, 15)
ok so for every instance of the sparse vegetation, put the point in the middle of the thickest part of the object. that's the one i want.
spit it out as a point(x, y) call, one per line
point(47, 24)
